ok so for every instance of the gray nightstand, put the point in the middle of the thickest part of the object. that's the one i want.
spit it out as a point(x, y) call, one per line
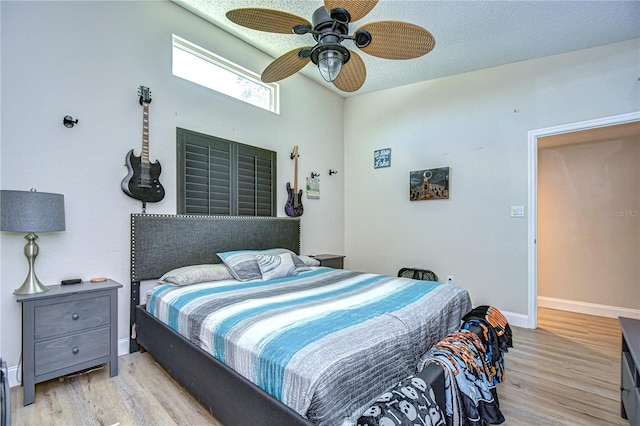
point(330, 260)
point(67, 329)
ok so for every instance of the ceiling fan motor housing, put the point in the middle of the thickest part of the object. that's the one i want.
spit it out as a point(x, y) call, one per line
point(323, 20)
point(329, 30)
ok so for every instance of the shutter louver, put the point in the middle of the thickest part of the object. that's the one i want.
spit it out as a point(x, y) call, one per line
point(220, 181)
point(196, 180)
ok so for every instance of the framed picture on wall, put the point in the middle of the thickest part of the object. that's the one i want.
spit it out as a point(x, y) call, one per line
point(429, 184)
point(382, 158)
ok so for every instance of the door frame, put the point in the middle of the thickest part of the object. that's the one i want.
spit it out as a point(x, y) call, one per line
point(533, 135)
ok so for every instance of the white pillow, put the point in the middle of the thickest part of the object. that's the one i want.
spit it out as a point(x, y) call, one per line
point(194, 274)
point(276, 266)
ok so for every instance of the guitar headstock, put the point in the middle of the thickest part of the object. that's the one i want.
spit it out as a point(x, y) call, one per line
point(145, 95)
point(295, 154)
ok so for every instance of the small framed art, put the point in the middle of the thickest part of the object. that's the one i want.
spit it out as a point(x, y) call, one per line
point(382, 158)
point(429, 184)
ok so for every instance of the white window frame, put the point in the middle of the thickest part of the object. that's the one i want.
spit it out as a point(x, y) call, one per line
point(220, 62)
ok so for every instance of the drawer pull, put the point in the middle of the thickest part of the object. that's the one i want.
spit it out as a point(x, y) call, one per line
point(75, 350)
point(75, 316)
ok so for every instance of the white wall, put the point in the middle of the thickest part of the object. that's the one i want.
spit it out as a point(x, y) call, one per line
point(87, 59)
point(477, 124)
point(589, 222)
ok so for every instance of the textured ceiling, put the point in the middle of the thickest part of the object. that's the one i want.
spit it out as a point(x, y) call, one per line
point(470, 35)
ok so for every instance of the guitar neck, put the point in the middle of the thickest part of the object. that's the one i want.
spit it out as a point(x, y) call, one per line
point(295, 175)
point(144, 157)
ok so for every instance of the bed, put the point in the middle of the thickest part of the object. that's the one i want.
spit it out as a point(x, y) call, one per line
point(335, 381)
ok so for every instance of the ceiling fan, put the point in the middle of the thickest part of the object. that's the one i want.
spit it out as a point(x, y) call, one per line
point(330, 27)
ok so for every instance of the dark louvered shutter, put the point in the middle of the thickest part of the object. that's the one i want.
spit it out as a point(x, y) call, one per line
point(220, 177)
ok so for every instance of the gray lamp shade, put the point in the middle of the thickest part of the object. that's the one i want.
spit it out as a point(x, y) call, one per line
point(31, 211)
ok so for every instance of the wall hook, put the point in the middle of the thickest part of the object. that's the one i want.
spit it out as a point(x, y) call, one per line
point(314, 175)
point(332, 172)
point(69, 122)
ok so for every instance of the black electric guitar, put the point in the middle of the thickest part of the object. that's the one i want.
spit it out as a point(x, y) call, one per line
point(293, 207)
point(142, 182)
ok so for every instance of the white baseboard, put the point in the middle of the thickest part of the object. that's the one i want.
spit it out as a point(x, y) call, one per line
point(123, 349)
point(587, 308)
point(518, 320)
point(123, 346)
point(13, 377)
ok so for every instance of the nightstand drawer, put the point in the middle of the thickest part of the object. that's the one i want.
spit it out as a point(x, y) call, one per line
point(333, 263)
point(628, 371)
point(631, 403)
point(61, 318)
point(630, 393)
point(56, 354)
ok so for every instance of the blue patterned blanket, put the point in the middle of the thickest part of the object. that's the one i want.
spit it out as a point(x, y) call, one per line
point(326, 342)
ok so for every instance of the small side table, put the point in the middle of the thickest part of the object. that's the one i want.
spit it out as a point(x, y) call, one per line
point(330, 260)
point(67, 329)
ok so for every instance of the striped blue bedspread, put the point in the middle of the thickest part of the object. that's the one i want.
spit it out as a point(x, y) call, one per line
point(326, 342)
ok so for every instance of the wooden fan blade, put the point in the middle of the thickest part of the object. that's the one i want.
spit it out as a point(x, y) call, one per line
point(352, 75)
point(356, 8)
point(269, 20)
point(398, 40)
point(284, 66)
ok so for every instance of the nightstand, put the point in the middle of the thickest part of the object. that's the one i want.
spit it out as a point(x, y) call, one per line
point(67, 329)
point(330, 260)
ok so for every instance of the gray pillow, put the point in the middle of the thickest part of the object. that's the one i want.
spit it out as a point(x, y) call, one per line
point(194, 274)
point(244, 266)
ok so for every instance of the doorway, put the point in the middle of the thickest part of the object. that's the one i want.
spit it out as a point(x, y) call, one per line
point(533, 139)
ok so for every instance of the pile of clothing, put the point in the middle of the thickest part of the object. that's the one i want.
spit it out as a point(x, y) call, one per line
point(472, 359)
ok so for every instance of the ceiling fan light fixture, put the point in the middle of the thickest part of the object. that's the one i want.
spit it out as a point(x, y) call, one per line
point(330, 63)
point(329, 56)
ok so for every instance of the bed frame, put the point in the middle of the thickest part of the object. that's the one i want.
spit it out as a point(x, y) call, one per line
point(160, 243)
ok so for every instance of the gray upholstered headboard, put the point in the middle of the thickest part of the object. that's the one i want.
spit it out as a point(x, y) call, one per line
point(160, 243)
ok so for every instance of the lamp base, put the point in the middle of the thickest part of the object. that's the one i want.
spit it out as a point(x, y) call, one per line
point(31, 287)
point(31, 284)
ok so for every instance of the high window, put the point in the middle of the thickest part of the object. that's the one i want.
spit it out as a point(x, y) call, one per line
point(207, 69)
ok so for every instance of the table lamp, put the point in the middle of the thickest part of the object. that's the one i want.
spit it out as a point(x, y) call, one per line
point(31, 212)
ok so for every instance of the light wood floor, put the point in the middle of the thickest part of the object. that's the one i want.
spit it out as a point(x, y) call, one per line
point(566, 372)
